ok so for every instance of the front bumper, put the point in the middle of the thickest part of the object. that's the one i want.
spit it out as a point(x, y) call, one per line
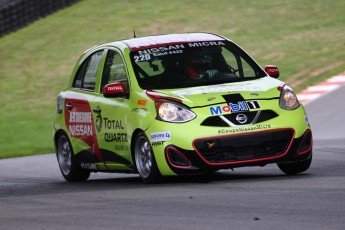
point(238, 150)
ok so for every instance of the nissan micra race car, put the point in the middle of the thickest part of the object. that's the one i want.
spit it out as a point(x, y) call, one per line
point(177, 104)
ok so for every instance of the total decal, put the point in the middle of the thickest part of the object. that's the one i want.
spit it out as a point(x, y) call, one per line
point(109, 125)
point(79, 121)
point(240, 106)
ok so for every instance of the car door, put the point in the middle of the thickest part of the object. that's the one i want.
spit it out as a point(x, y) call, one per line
point(112, 113)
point(79, 117)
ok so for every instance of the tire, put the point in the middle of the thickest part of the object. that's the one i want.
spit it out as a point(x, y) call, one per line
point(68, 164)
point(294, 168)
point(145, 160)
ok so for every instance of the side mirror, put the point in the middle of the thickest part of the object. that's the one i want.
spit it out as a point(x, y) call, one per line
point(116, 89)
point(272, 71)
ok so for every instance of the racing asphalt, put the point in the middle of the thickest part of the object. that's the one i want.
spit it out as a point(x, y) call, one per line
point(326, 115)
point(33, 194)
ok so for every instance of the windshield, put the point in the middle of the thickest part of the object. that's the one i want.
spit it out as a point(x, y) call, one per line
point(193, 64)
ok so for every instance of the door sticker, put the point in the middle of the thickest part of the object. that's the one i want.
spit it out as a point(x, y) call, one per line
point(79, 121)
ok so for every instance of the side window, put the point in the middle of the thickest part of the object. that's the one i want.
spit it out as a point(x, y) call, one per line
point(152, 67)
point(238, 64)
point(230, 59)
point(86, 75)
point(114, 70)
point(248, 71)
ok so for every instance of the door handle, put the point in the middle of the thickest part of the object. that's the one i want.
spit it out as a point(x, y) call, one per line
point(69, 106)
point(97, 110)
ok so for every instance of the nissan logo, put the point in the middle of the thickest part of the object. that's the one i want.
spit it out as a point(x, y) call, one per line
point(241, 118)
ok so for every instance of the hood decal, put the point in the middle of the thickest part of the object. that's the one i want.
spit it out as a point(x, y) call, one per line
point(220, 89)
point(259, 85)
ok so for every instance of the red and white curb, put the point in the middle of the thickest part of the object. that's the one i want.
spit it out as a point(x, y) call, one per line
point(313, 92)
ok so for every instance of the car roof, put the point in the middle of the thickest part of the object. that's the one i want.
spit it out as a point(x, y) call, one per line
point(169, 39)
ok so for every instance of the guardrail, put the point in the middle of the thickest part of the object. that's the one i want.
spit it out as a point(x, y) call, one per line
point(16, 14)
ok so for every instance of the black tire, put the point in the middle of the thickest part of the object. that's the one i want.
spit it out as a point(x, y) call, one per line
point(294, 168)
point(145, 161)
point(69, 166)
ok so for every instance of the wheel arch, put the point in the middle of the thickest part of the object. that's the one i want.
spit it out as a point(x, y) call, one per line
point(57, 135)
point(134, 135)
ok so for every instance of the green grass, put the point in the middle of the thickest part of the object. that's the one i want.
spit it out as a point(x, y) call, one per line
point(305, 39)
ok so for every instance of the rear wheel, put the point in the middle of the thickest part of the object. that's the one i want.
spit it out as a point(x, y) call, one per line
point(145, 160)
point(69, 166)
point(294, 168)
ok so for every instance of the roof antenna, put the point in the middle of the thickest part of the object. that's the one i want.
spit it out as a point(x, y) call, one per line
point(134, 35)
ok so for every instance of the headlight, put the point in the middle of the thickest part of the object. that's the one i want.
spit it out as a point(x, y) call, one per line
point(288, 99)
point(173, 112)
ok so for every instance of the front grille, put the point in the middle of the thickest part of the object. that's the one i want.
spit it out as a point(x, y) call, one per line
point(252, 118)
point(266, 115)
point(214, 121)
point(234, 148)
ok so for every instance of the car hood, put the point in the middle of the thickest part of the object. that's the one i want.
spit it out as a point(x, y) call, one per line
point(263, 88)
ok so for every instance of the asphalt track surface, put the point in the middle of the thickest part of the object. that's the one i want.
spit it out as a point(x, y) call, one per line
point(33, 194)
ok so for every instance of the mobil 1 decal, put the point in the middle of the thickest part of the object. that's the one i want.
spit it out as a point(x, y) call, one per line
point(235, 103)
point(79, 121)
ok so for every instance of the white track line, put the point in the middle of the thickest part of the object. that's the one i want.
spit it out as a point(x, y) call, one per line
point(314, 92)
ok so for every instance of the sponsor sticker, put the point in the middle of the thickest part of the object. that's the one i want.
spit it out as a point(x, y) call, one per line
point(139, 110)
point(88, 166)
point(161, 49)
point(243, 129)
point(149, 53)
point(158, 143)
point(79, 121)
point(121, 148)
point(115, 137)
point(107, 124)
point(160, 136)
point(142, 102)
point(240, 106)
point(80, 124)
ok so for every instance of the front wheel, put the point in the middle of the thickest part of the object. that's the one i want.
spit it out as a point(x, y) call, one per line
point(294, 168)
point(145, 160)
point(69, 166)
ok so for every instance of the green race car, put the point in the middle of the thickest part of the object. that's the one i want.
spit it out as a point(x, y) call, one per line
point(177, 104)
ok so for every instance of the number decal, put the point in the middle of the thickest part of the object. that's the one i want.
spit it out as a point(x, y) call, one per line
point(253, 104)
point(140, 58)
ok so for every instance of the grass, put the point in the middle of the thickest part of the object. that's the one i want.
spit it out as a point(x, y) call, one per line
point(305, 39)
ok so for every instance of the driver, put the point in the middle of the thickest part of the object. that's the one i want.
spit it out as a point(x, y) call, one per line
point(200, 66)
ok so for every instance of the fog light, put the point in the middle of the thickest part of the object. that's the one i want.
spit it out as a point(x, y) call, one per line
point(176, 158)
point(306, 143)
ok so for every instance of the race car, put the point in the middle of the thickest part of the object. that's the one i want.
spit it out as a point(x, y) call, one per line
point(177, 104)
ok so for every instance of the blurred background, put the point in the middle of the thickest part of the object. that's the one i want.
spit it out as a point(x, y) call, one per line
point(41, 40)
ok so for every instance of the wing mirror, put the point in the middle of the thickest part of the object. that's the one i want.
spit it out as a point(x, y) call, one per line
point(116, 89)
point(272, 71)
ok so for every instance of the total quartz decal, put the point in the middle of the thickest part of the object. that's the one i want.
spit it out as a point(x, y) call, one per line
point(109, 126)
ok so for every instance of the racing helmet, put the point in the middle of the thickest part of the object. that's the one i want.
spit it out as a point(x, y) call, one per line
point(199, 64)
